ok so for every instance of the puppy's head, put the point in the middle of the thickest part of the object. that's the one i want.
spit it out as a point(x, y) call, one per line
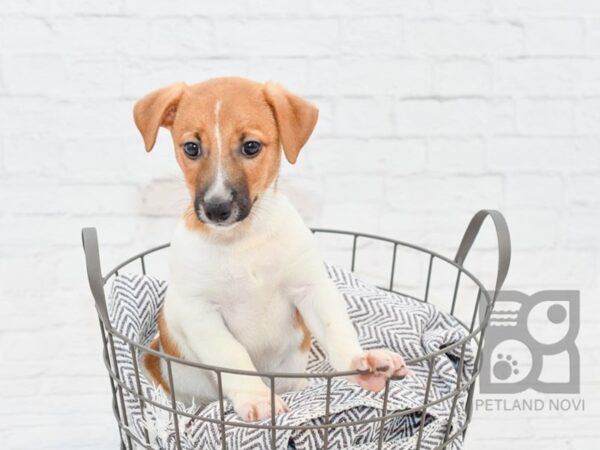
point(228, 135)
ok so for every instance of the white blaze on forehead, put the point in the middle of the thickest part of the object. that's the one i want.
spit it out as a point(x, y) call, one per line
point(218, 190)
point(218, 129)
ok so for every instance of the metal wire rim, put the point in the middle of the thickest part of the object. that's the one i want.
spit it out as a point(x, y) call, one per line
point(472, 333)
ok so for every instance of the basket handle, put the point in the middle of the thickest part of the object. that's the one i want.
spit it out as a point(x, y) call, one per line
point(504, 247)
point(89, 237)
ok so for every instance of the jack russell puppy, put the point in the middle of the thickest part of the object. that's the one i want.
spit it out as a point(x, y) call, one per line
point(247, 288)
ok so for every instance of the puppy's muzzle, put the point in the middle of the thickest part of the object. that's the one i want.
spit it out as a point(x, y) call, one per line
point(222, 210)
point(218, 212)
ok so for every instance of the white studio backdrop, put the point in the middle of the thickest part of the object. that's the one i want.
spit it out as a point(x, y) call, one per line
point(430, 110)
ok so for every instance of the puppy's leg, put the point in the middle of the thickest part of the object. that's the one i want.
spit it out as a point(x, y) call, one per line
point(324, 312)
point(212, 343)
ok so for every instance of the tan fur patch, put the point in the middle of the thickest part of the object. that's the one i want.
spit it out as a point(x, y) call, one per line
point(165, 343)
point(191, 220)
point(299, 324)
point(152, 364)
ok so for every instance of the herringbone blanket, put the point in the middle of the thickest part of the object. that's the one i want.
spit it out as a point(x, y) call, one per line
point(382, 319)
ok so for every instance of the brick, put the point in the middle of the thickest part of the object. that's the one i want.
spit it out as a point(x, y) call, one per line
point(179, 36)
point(100, 35)
point(562, 269)
point(547, 76)
point(39, 36)
point(19, 388)
point(542, 116)
point(583, 229)
point(535, 76)
point(361, 189)
point(362, 217)
point(94, 160)
point(436, 231)
point(371, 156)
point(370, 76)
point(185, 8)
point(583, 192)
point(289, 72)
point(141, 76)
point(460, 7)
point(325, 124)
point(587, 115)
point(165, 198)
point(453, 116)
point(62, 435)
point(359, 8)
point(558, 154)
point(554, 37)
point(548, 7)
point(273, 37)
point(462, 77)
point(441, 37)
point(592, 43)
point(537, 190)
point(100, 199)
point(371, 35)
point(25, 155)
point(449, 193)
point(22, 74)
point(31, 198)
point(533, 228)
point(514, 429)
point(286, 8)
point(364, 116)
point(456, 155)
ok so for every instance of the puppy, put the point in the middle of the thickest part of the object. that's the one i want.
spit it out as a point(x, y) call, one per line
point(247, 288)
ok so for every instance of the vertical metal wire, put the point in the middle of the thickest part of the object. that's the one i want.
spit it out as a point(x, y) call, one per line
point(136, 370)
point(221, 410)
point(478, 355)
point(327, 406)
point(143, 264)
point(273, 422)
point(475, 311)
point(454, 295)
point(383, 414)
point(458, 391)
point(393, 267)
point(425, 401)
point(353, 253)
point(173, 404)
point(426, 296)
point(120, 389)
point(113, 389)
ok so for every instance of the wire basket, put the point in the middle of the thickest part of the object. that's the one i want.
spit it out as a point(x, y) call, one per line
point(475, 333)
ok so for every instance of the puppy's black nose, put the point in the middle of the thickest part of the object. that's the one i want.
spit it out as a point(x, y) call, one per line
point(217, 211)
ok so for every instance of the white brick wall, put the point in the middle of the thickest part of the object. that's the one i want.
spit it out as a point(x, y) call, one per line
point(430, 110)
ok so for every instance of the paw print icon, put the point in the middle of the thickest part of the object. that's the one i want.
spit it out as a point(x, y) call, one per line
point(530, 343)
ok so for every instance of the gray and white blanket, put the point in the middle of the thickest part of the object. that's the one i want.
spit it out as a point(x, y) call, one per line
point(382, 319)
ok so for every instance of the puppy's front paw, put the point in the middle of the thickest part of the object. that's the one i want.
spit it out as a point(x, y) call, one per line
point(257, 406)
point(378, 365)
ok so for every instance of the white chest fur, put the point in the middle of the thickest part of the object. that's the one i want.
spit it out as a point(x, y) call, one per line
point(248, 281)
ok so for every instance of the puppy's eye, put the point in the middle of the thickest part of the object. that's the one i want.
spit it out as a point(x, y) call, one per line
point(251, 148)
point(192, 149)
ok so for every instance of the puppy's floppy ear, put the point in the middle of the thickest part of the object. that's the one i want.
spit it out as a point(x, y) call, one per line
point(296, 118)
point(157, 109)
